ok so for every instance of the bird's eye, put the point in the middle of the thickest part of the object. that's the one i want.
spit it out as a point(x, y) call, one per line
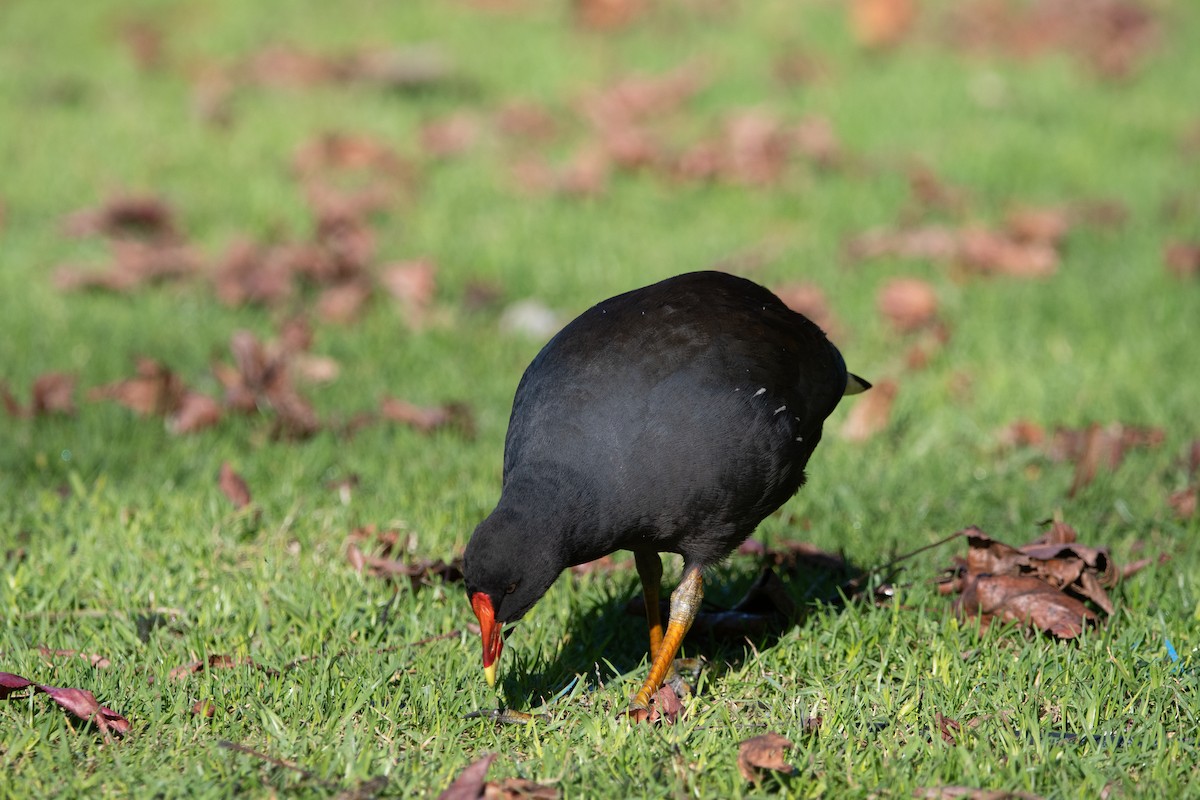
point(512, 587)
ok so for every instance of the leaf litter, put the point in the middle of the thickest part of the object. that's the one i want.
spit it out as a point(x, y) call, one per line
point(79, 702)
point(1053, 583)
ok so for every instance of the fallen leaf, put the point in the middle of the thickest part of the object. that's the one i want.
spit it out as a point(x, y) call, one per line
point(519, 789)
point(79, 702)
point(607, 15)
point(878, 24)
point(808, 299)
point(451, 135)
point(1112, 37)
point(469, 785)
point(156, 390)
point(234, 487)
point(215, 662)
point(52, 393)
point(429, 419)
point(343, 304)
point(948, 727)
point(870, 413)
point(1184, 502)
point(1182, 259)
point(931, 193)
point(196, 412)
point(96, 660)
point(992, 253)
point(1026, 600)
point(138, 215)
point(909, 304)
point(413, 285)
point(135, 262)
point(969, 793)
point(763, 752)
point(204, 708)
point(1046, 225)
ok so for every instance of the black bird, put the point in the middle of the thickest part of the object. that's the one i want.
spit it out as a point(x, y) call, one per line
point(670, 419)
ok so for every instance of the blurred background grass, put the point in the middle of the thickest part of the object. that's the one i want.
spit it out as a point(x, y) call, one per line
point(109, 513)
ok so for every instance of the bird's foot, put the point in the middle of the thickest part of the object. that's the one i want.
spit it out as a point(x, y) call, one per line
point(637, 712)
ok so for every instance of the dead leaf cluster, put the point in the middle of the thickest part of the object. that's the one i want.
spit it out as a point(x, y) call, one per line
point(79, 702)
point(1184, 501)
point(52, 393)
point(261, 381)
point(472, 784)
point(765, 752)
point(345, 179)
point(1182, 259)
point(1091, 448)
point(1046, 584)
point(382, 563)
point(1112, 37)
point(634, 125)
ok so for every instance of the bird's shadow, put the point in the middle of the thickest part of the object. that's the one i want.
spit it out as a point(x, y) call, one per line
point(739, 619)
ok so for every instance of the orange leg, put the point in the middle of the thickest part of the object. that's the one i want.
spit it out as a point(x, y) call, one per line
point(685, 603)
point(649, 567)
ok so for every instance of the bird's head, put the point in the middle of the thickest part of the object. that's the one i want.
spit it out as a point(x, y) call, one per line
point(506, 568)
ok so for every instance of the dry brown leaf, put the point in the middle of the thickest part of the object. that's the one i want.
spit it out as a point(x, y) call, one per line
point(344, 303)
point(881, 23)
point(947, 727)
point(814, 138)
point(216, 661)
point(1022, 433)
point(196, 412)
point(1184, 502)
point(871, 413)
point(763, 752)
point(155, 390)
point(607, 15)
point(469, 785)
point(140, 215)
point(135, 262)
point(233, 486)
point(909, 304)
point(1026, 600)
point(1047, 225)
point(519, 789)
point(53, 393)
point(413, 285)
point(204, 708)
point(929, 242)
point(96, 660)
point(992, 253)
point(145, 42)
point(970, 793)
point(428, 419)
point(1182, 259)
point(451, 135)
point(526, 121)
point(79, 702)
point(587, 173)
point(808, 299)
point(1042, 584)
point(250, 273)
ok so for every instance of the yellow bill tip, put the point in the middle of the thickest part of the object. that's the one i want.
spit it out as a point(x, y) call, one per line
point(489, 672)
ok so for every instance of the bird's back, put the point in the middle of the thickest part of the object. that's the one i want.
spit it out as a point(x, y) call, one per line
point(674, 417)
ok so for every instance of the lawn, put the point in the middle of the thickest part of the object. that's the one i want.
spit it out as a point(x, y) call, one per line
point(420, 170)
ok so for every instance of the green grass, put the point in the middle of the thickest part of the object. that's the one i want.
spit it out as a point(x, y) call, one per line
point(105, 517)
